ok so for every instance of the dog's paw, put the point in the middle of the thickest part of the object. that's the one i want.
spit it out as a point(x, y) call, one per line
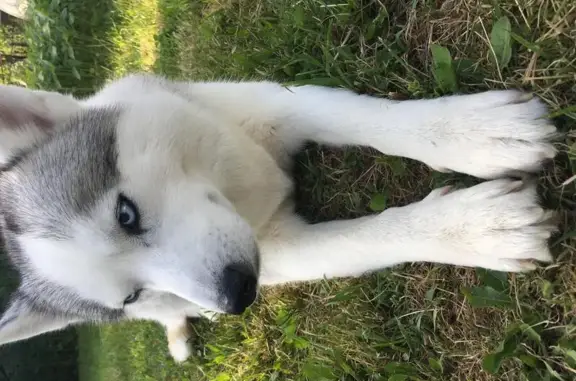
point(496, 225)
point(179, 349)
point(178, 334)
point(488, 135)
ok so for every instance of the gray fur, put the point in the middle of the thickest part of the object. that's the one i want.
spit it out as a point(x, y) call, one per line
point(44, 192)
point(48, 189)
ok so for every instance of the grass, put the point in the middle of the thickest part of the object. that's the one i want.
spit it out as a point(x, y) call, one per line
point(76, 48)
point(413, 322)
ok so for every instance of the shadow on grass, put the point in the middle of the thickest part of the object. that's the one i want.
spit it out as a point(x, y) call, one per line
point(51, 357)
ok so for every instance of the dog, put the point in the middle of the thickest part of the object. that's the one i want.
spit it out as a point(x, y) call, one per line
point(160, 200)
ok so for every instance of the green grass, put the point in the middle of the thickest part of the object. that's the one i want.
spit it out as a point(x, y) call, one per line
point(75, 47)
point(412, 322)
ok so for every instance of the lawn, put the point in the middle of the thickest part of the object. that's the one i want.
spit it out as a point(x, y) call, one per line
point(413, 322)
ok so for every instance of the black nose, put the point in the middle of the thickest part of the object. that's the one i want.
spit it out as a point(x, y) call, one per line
point(239, 288)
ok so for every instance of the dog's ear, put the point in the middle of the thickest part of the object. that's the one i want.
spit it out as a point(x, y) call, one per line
point(28, 116)
point(22, 321)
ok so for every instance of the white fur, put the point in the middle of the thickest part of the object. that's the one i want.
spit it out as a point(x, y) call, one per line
point(184, 144)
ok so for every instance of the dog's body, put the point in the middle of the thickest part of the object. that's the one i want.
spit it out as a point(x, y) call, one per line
point(159, 200)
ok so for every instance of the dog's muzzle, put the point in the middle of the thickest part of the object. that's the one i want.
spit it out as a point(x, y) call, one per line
point(239, 288)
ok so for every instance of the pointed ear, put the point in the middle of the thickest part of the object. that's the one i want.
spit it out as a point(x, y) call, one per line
point(28, 116)
point(22, 321)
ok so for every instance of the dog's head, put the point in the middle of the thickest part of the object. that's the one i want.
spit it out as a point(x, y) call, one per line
point(114, 202)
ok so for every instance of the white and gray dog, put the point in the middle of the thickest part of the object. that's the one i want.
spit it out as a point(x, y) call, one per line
point(156, 199)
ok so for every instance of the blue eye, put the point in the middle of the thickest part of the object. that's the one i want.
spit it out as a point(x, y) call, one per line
point(128, 216)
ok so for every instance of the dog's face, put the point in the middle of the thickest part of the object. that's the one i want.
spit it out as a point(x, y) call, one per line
point(121, 206)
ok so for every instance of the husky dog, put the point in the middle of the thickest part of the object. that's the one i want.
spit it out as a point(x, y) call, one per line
point(157, 199)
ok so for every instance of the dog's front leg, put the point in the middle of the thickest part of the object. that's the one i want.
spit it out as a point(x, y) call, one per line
point(487, 135)
point(496, 225)
point(178, 334)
